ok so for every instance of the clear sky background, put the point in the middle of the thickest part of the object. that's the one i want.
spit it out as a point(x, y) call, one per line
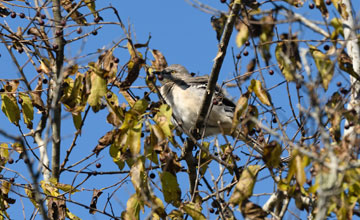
point(185, 36)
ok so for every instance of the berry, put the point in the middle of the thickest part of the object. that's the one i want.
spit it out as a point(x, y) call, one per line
point(10, 160)
point(142, 134)
point(2, 90)
point(13, 15)
point(347, 126)
point(109, 95)
point(160, 77)
point(246, 53)
point(22, 15)
point(271, 72)
point(223, 1)
point(38, 14)
point(94, 32)
point(45, 81)
point(58, 33)
point(328, 2)
point(192, 74)
point(326, 47)
point(20, 100)
point(343, 90)
point(79, 30)
point(98, 165)
point(20, 50)
point(274, 120)
point(338, 84)
point(211, 210)
point(41, 22)
point(116, 60)
point(39, 70)
point(97, 19)
point(311, 6)
point(55, 46)
point(43, 16)
point(152, 175)
point(238, 56)
point(247, 43)
point(298, 86)
point(12, 179)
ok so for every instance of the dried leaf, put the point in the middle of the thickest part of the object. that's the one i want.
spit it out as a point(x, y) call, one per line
point(160, 62)
point(218, 24)
point(320, 4)
point(243, 34)
point(240, 108)
point(133, 73)
point(252, 211)
point(244, 187)
point(36, 96)
point(68, 5)
point(94, 200)
point(193, 210)
point(271, 154)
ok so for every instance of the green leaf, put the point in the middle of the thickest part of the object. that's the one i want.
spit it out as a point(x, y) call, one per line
point(77, 120)
point(98, 88)
point(170, 187)
point(271, 154)
point(287, 68)
point(5, 187)
point(134, 138)
point(139, 178)
point(242, 36)
point(193, 210)
point(4, 154)
point(259, 91)
point(10, 108)
point(133, 206)
point(324, 65)
point(244, 188)
point(27, 109)
point(116, 155)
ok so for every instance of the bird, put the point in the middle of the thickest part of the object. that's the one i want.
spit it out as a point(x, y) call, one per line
point(184, 93)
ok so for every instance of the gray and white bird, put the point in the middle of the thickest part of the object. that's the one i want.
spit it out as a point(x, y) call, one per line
point(185, 94)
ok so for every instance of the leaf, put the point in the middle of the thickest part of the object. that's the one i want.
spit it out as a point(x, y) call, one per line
point(77, 120)
point(133, 206)
point(341, 8)
point(240, 108)
point(218, 24)
point(98, 89)
point(193, 210)
point(27, 109)
point(297, 167)
point(71, 216)
point(252, 211)
point(139, 178)
point(160, 62)
point(266, 36)
point(243, 35)
point(133, 72)
point(320, 4)
point(36, 96)
point(170, 188)
point(163, 119)
point(49, 189)
point(91, 5)
point(68, 5)
point(134, 138)
point(324, 65)
point(5, 187)
point(158, 207)
point(62, 186)
point(10, 108)
point(244, 187)
point(30, 194)
point(271, 154)
point(94, 200)
point(259, 91)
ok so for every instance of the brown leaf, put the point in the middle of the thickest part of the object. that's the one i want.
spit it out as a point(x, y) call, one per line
point(3, 10)
point(56, 208)
point(94, 199)
point(252, 211)
point(160, 62)
point(36, 96)
point(218, 24)
point(133, 73)
point(68, 5)
point(104, 141)
point(271, 155)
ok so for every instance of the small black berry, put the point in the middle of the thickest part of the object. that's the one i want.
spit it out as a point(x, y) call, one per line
point(43, 16)
point(152, 175)
point(339, 84)
point(271, 72)
point(20, 100)
point(328, 2)
point(326, 47)
point(41, 22)
point(238, 56)
point(246, 53)
point(22, 15)
point(98, 165)
point(13, 15)
point(79, 30)
point(247, 43)
point(45, 81)
point(116, 60)
point(94, 32)
point(311, 6)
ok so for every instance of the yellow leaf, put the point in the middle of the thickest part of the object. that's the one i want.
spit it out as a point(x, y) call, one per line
point(98, 89)
point(4, 154)
point(259, 91)
point(244, 188)
point(240, 108)
point(30, 194)
point(27, 109)
point(77, 120)
point(134, 138)
point(10, 108)
point(71, 216)
point(63, 187)
point(242, 36)
point(271, 154)
point(163, 119)
point(192, 210)
point(133, 206)
point(5, 187)
point(324, 65)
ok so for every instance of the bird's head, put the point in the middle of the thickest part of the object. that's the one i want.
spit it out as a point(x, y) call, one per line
point(173, 73)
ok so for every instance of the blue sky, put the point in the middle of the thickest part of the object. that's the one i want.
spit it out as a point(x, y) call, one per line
point(185, 36)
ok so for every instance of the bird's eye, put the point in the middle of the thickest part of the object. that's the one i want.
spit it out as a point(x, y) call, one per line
point(172, 71)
